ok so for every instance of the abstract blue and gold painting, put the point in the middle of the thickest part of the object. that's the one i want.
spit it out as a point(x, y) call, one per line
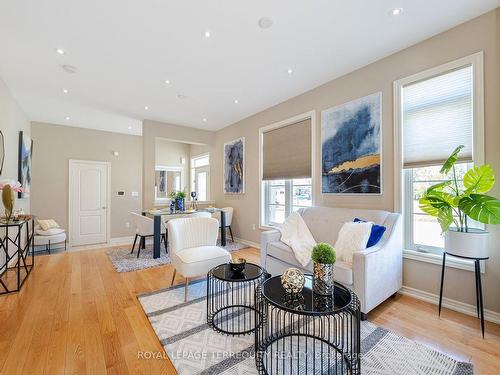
point(24, 169)
point(351, 147)
point(234, 166)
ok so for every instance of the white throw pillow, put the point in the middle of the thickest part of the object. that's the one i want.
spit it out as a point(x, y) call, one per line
point(48, 232)
point(352, 237)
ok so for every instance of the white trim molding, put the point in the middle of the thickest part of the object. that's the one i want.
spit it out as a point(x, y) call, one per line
point(464, 308)
point(246, 242)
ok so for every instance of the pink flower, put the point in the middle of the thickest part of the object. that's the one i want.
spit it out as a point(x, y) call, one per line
point(15, 185)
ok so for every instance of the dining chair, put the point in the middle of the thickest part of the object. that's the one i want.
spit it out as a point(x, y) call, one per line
point(193, 249)
point(144, 227)
point(229, 219)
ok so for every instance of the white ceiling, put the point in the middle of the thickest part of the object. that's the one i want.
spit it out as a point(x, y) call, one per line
point(125, 49)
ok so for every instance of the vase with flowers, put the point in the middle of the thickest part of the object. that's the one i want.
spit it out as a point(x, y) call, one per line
point(9, 188)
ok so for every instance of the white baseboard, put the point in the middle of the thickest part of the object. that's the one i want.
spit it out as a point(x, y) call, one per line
point(128, 239)
point(246, 242)
point(465, 308)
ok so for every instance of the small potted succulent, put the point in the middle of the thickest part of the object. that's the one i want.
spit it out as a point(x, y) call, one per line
point(453, 202)
point(324, 257)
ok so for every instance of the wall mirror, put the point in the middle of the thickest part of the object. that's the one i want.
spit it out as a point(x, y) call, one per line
point(167, 180)
point(2, 151)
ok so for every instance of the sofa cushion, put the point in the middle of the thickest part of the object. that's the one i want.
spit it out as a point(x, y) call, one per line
point(48, 232)
point(280, 251)
point(325, 222)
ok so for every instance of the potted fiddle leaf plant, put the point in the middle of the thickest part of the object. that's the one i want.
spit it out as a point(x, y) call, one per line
point(324, 257)
point(453, 203)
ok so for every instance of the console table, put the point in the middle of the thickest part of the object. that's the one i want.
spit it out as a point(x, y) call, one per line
point(306, 333)
point(19, 255)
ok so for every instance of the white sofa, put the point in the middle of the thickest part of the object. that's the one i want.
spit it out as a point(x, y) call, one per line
point(376, 272)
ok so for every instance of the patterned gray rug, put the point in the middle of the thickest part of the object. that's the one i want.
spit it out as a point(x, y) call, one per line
point(123, 261)
point(194, 348)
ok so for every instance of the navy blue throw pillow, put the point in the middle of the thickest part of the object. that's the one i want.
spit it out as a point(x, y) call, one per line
point(376, 233)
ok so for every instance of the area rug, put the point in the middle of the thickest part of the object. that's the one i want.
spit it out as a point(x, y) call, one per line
point(123, 261)
point(194, 348)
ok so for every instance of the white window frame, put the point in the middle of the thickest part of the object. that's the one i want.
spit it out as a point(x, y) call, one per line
point(310, 115)
point(476, 61)
point(192, 172)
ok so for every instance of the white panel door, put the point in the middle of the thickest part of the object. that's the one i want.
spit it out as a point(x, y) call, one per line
point(88, 202)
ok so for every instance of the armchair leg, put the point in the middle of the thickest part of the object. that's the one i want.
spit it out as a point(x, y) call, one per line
point(142, 241)
point(186, 289)
point(173, 277)
point(231, 232)
point(364, 316)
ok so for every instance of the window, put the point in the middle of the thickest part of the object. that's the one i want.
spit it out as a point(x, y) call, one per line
point(437, 110)
point(200, 177)
point(285, 196)
point(286, 168)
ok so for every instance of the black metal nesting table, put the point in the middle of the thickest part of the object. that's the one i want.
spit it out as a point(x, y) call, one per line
point(305, 333)
point(231, 299)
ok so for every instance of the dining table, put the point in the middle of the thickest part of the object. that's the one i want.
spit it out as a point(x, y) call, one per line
point(158, 214)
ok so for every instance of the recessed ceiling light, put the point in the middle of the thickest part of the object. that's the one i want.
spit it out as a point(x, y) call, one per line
point(204, 120)
point(67, 118)
point(290, 71)
point(396, 11)
point(236, 101)
point(265, 23)
point(65, 91)
point(60, 51)
point(69, 68)
point(146, 108)
point(167, 82)
point(208, 34)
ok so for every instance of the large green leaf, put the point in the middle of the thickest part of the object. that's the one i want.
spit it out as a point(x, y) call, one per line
point(452, 159)
point(479, 180)
point(439, 187)
point(438, 208)
point(482, 208)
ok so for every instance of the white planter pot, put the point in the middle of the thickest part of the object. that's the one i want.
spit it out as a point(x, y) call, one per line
point(473, 244)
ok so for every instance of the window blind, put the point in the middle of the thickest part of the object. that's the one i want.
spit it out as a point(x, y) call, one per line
point(287, 152)
point(437, 116)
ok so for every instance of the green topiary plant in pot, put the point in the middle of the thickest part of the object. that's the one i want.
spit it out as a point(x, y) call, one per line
point(452, 202)
point(324, 257)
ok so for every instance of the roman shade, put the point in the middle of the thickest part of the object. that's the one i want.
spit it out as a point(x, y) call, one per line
point(287, 152)
point(437, 116)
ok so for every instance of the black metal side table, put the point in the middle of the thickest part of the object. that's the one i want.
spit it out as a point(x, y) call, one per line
point(306, 333)
point(479, 287)
point(231, 299)
point(17, 256)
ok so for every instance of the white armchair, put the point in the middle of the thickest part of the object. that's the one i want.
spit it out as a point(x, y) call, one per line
point(229, 218)
point(193, 249)
point(144, 227)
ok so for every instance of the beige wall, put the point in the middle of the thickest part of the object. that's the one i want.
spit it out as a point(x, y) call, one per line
point(12, 121)
point(151, 130)
point(55, 145)
point(476, 35)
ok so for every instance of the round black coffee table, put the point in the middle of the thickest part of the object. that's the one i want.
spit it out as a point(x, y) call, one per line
point(231, 299)
point(306, 333)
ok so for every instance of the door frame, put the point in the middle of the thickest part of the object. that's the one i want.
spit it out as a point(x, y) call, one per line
point(71, 165)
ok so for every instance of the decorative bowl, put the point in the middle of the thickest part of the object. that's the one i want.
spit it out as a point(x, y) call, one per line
point(237, 265)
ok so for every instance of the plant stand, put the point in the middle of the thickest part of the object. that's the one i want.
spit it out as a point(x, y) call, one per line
point(479, 288)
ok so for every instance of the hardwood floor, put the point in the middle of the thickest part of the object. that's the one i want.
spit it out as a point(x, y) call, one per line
point(76, 315)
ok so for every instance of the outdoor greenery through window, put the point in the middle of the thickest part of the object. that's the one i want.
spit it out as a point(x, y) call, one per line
point(285, 196)
point(424, 231)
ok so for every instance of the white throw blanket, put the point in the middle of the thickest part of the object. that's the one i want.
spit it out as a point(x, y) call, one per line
point(296, 234)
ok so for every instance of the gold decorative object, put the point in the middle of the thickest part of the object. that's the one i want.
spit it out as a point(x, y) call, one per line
point(293, 280)
point(8, 200)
